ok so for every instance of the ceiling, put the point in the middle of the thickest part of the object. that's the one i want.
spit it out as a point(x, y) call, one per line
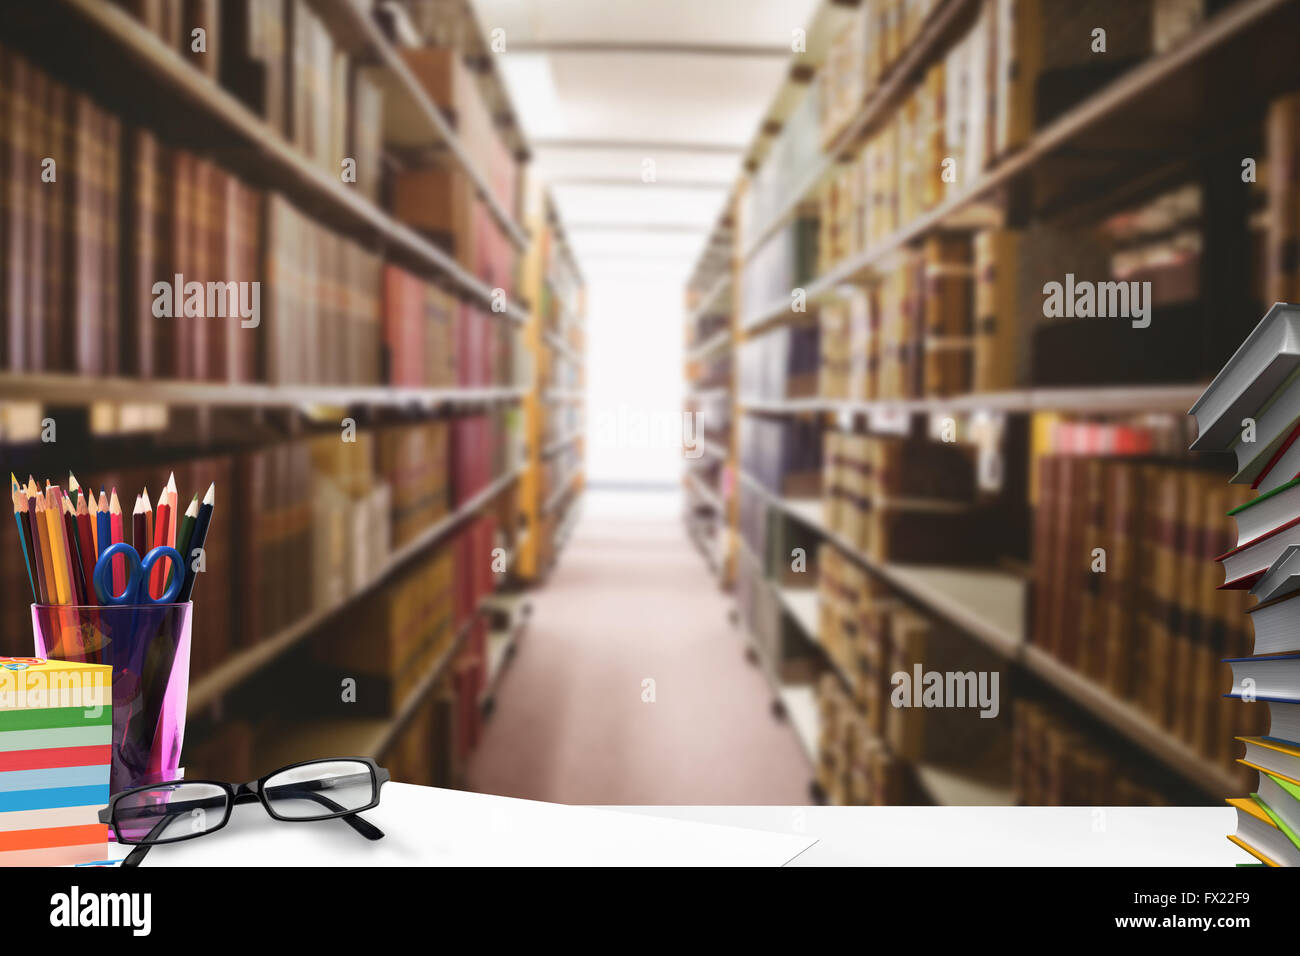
point(603, 86)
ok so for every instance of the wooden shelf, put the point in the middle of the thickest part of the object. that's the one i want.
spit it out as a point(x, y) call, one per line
point(552, 447)
point(1082, 398)
point(800, 703)
point(239, 666)
point(502, 641)
point(1143, 95)
point(380, 740)
point(962, 787)
point(708, 394)
point(418, 118)
point(143, 61)
point(804, 607)
point(361, 736)
point(1129, 721)
point(72, 389)
point(560, 395)
point(990, 605)
point(718, 342)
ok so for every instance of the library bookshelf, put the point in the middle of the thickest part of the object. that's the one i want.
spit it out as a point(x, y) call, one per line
point(554, 411)
point(424, 356)
point(828, 636)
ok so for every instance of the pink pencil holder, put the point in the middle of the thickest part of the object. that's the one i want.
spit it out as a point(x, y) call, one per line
point(148, 647)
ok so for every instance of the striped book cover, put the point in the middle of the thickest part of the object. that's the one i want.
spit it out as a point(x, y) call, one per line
point(56, 731)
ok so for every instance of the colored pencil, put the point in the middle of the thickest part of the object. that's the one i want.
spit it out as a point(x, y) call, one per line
point(115, 530)
point(138, 535)
point(21, 508)
point(159, 539)
point(197, 539)
point(65, 546)
point(148, 521)
point(173, 517)
point(36, 518)
point(92, 508)
point(74, 551)
point(20, 518)
point(58, 558)
point(86, 540)
point(103, 529)
point(184, 535)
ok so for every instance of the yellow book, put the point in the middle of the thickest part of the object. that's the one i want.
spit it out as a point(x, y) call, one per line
point(1255, 827)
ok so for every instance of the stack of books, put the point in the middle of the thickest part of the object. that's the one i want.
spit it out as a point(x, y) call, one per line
point(56, 727)
point(1252, 408)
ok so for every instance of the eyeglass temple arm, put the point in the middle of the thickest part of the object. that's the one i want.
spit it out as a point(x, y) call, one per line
point(140, 851)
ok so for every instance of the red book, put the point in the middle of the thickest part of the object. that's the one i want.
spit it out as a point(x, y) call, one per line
point(1276, 456)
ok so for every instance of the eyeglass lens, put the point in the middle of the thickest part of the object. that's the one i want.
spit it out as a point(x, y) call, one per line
point(170, 812)
point(320, 789)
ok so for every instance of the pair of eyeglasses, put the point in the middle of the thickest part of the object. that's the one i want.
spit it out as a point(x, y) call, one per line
point(302, 792)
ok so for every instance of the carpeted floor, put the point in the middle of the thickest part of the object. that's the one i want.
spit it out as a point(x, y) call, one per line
point(631, 600)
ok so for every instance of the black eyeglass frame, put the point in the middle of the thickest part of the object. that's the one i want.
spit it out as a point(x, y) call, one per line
point(253, 792)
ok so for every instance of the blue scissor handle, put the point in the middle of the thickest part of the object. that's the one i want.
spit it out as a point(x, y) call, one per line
point(137, 575)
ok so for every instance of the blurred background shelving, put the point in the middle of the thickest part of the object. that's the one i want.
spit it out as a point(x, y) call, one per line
point(367, 578)
point(906, 429)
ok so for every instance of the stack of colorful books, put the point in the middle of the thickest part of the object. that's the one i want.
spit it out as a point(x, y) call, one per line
point(56, 730)
point(1252, 408)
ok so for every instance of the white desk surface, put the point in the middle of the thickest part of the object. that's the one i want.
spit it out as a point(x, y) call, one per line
point(432, 827)
point(991, 836)
point(425, 826)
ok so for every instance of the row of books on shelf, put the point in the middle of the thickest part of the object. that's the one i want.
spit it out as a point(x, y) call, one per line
point(431, 339)
point(901, 499)
point(1125, 591)
point(959, 314)
point(1054, 762)
point(892, 498)
point(782, 363)
point(712, 372)
point(313, 521)
point(785, 262)
point(868, 747)
point(281, 60)
point(409, 627)
point(854, 766)
point(1020, 64)
point(147, 260)
point(391, 639)
point(795, 152)
point(709, 325)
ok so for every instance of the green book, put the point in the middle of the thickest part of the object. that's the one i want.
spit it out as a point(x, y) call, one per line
point(1281, 823)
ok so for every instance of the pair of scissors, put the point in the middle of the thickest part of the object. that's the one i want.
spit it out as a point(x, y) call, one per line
point(137, 575)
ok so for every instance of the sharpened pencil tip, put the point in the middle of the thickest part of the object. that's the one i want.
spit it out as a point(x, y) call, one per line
point(211, 497)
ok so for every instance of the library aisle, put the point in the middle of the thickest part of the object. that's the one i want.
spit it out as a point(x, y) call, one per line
point(729, 402)
point(574, 722)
